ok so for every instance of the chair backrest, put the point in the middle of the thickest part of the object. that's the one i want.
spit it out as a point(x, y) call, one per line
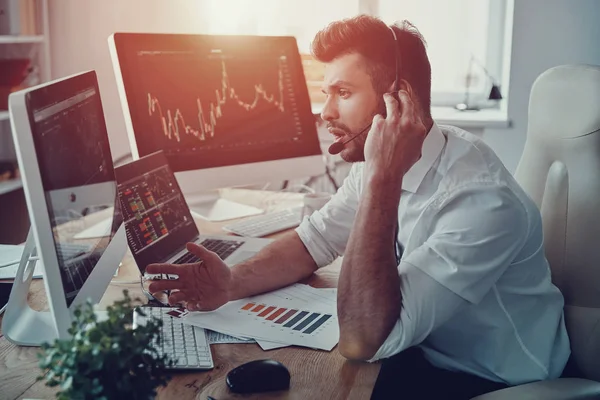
point(560, 170)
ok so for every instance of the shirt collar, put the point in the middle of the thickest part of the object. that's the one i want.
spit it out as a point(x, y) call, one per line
point(432, 147)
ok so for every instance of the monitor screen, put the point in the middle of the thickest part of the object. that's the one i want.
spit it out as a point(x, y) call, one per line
point(75, 163)
point(213, 101)
point(157, 218)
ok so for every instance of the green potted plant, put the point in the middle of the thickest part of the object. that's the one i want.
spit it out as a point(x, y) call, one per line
point(106, 359)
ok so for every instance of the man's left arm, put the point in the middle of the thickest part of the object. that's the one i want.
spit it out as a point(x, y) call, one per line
point(369, 297)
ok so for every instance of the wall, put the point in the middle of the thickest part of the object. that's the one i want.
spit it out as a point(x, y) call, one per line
point(79, 30)
point(546, 33)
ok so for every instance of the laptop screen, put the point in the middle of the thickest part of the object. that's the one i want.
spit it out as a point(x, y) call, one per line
point(157, 219)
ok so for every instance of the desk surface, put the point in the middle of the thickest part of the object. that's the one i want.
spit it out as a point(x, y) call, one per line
point(315, 374)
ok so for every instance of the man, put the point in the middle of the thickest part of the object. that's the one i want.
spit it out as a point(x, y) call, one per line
point(444, 274)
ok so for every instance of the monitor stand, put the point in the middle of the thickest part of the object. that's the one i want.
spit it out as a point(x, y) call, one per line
point(212, 207)
point(21, 324)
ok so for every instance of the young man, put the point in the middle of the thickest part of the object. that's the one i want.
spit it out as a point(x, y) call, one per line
point(444, 273)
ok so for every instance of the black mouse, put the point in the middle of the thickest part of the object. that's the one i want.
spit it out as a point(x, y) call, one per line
point(259, 376)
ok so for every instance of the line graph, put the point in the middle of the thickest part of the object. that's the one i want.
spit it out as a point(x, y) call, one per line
point(220, 101)
point(173, 123)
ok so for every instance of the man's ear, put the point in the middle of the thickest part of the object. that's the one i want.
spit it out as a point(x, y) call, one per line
point(404, 85)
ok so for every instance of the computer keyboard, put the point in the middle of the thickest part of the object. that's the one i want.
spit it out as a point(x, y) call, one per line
point(186, 345)
point(266, 224)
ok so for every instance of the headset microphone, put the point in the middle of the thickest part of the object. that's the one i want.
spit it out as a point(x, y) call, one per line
point(337, 147)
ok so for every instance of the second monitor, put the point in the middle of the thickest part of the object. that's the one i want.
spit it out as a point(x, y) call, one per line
point(226, 110)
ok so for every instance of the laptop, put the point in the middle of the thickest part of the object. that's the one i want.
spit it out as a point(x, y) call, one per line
point(158, 221)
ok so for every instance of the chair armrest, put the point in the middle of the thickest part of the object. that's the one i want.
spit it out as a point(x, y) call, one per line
point(556, 389)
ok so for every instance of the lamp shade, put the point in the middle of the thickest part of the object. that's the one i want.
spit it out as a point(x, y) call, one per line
point(495, 93)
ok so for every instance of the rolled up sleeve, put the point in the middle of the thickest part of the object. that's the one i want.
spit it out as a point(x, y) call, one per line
point(474, 235)
point(425, 306)
point(325, 233)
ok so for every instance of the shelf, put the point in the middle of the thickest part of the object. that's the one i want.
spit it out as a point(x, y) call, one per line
point(10, 185)
point(21, 39)
point(3, 115)
point(484, 118)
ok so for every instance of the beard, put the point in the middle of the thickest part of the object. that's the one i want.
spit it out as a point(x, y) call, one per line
point(354, 150)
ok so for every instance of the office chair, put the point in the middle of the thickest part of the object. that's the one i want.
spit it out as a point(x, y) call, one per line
point(560, 170)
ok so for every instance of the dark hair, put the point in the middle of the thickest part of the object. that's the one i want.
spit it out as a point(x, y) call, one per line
point(371, 37)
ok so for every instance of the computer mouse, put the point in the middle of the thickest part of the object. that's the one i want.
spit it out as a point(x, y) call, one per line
point(259, 376)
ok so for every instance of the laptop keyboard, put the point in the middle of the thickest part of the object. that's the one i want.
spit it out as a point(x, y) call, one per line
point(223, 248)
point(187, 258)
point(186, 345)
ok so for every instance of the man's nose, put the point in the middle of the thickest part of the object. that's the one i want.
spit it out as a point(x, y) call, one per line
point(330, 110)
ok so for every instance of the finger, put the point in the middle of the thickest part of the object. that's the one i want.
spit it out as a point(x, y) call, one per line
point(179, 297)
point(163, 269)
point(194, 306)
point(391, 106)
point(377, 120)
point(377, 124)
point(408, 107)
point(159, 286)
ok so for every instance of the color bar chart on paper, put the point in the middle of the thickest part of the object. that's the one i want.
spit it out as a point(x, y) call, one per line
point(294, 319)
point(272, 318)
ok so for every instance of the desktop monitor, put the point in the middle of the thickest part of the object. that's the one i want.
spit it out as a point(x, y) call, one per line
point(226, 110)
point(69, 183)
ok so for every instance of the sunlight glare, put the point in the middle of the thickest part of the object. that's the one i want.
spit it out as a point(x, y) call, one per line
point(231, 16)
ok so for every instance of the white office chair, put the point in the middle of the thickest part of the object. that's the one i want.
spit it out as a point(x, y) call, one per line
point(560, 170)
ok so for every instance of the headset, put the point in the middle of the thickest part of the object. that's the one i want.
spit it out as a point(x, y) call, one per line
point(337, 147)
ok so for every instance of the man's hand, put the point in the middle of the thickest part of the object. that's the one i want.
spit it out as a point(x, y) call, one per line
point(203, 286)
point(394, 143)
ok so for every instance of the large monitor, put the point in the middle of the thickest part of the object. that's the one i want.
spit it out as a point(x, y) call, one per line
point(69, 183)
point(226, 110)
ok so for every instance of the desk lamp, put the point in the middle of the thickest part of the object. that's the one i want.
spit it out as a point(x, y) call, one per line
point(494, 92)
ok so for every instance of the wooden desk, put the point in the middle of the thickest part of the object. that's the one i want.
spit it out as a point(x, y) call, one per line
point(315, 374)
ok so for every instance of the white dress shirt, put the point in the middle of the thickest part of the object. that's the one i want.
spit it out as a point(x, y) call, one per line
point(476, 290)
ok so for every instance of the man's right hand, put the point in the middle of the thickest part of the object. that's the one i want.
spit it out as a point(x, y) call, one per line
point(201, 286)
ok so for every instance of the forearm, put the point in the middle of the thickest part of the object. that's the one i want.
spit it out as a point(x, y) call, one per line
point(369, 296)
point(280, 264)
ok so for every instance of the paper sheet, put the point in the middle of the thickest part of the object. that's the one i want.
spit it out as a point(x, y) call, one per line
point(12, 254)
point(270, 345)
point(296, 315)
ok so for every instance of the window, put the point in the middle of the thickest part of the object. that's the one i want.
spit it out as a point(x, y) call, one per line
point(455, 32)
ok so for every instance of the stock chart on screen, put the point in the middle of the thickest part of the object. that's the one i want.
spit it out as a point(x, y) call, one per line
point(218, 102)
point(154, 208)
point(226, 105)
